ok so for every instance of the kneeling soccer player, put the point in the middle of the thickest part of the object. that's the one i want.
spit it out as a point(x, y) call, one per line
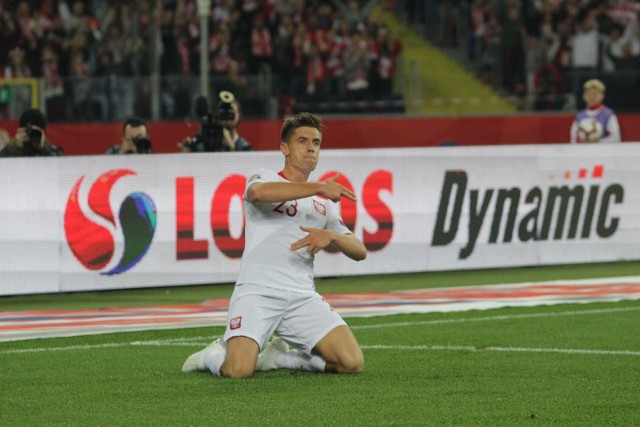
point(288, 221)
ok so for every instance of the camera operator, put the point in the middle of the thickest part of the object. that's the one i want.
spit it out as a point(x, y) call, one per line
point(30, 140)
point(218, 130)
point(135, 139)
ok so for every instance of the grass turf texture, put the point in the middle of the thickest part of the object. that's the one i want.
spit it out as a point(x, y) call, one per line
point(468, 368)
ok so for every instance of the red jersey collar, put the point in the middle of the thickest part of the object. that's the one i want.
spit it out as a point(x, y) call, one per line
point(281, 173)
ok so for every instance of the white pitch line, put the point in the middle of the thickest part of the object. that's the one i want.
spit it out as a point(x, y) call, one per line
point(169, 342)
point(68, 348)
point(181, 343)
point(502, 317)
point(565, 350)
point(502, 349)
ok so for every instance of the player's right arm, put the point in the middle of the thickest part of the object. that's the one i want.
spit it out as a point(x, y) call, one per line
point(273, 192)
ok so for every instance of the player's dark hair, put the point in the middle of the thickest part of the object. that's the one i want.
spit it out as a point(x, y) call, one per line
point(297, 121)
point(134, 122)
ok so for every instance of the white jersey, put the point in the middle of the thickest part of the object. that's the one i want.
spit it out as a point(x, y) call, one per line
point(270, 230)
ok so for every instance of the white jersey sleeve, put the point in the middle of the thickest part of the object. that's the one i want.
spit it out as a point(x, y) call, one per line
point(334, 220)
point(271, 229)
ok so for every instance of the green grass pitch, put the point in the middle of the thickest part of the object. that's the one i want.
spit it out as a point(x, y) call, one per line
point(551, 365)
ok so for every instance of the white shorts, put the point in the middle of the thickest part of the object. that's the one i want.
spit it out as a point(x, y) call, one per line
point(301, 319)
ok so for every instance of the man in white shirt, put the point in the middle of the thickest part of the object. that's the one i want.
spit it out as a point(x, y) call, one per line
point(586, 43)
point(288, 221)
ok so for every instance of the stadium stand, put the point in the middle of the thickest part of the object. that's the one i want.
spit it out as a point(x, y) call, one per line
point(96, 56)
point(538, 52)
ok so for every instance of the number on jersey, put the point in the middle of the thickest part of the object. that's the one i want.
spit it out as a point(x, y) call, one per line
point(290, 210)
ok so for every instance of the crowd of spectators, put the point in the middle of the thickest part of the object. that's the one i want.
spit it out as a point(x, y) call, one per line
point(91, 54)
point(542, 50)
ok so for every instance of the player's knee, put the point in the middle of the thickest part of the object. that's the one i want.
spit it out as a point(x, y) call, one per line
point(236, 370)
point(352, 363)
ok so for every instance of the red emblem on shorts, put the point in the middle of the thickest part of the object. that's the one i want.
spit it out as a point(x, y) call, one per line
point(320, 207)
point(235, 323)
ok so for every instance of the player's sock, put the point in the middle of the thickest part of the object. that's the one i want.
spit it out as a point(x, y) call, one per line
point(295, 359)
point(213, 360)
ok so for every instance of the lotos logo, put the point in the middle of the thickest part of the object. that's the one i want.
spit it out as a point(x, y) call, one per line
point(233, 186)
point(93, 244)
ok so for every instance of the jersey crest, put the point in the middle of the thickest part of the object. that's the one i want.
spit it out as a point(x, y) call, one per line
point(322, 209)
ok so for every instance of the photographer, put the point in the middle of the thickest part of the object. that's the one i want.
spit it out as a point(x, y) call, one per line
point(218, 129)
point(135, 139)
point(30, 139)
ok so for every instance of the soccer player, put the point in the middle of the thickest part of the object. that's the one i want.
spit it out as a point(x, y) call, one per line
point(288, 221)
point(593, 95)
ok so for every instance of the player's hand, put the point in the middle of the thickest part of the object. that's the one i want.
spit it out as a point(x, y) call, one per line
point(334, 191)
point(315, 241)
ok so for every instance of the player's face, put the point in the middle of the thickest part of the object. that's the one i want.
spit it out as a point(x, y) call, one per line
point(302, 150)
point(593, 96)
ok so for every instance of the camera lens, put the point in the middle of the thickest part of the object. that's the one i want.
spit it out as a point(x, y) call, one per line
point(142, 143)
point(226, 97)
point(34, 135)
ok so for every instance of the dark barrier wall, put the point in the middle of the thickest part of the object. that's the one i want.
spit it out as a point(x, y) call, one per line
point(346, 133)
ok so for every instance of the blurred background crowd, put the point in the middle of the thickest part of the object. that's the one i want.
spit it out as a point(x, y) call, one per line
point(539, 49)
point(96, 56)
point(108, 60)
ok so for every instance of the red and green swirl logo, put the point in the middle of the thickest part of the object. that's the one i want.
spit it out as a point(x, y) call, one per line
point(93, 244)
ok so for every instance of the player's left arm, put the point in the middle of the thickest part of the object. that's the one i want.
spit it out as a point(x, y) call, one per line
point(318, 239)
